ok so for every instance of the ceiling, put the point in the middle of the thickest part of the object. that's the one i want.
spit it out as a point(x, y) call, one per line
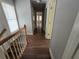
point(38, 6)
point(42, 1)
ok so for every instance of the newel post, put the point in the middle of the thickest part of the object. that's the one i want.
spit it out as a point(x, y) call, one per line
point(25, 30)
point(25, 34)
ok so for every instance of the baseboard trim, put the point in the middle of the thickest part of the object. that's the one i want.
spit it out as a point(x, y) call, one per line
point(51, 54)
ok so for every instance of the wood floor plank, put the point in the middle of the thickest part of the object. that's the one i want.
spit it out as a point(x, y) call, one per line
point(37, 48)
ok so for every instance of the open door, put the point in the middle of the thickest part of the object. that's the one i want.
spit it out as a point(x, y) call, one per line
point(72, 48)
point(50, 18)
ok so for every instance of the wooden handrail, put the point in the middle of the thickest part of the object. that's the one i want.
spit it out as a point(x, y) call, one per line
point(2, 32)
point(5, 39)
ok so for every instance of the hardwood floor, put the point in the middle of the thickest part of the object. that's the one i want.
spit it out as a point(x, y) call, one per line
point(37, 48)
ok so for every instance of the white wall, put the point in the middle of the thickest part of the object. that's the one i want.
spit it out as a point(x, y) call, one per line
point(3, 22)
point(66, 12)
point(23, 8)
point(10, 14)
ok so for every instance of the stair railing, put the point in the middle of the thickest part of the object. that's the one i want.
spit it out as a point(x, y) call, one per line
point(13, 46)
point(2, 32)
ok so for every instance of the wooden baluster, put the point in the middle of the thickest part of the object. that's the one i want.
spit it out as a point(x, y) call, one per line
point(11, 50)
point(5, 52)
point(18, 48)
point(15, 50)
point(2, 54)
point(22, 36)
point(20, 43)
point(24, 41)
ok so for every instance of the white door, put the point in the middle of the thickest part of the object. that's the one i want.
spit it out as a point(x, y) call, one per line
point(76, 56)
point(72, 48)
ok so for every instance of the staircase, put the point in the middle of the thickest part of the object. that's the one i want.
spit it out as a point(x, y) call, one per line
point(13, 46)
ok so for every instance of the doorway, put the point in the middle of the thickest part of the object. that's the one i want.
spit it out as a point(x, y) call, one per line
point(38, 17)
point(39, 22)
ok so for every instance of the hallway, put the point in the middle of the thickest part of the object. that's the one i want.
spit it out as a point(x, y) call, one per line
point(37, 48)
point(39, 29)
